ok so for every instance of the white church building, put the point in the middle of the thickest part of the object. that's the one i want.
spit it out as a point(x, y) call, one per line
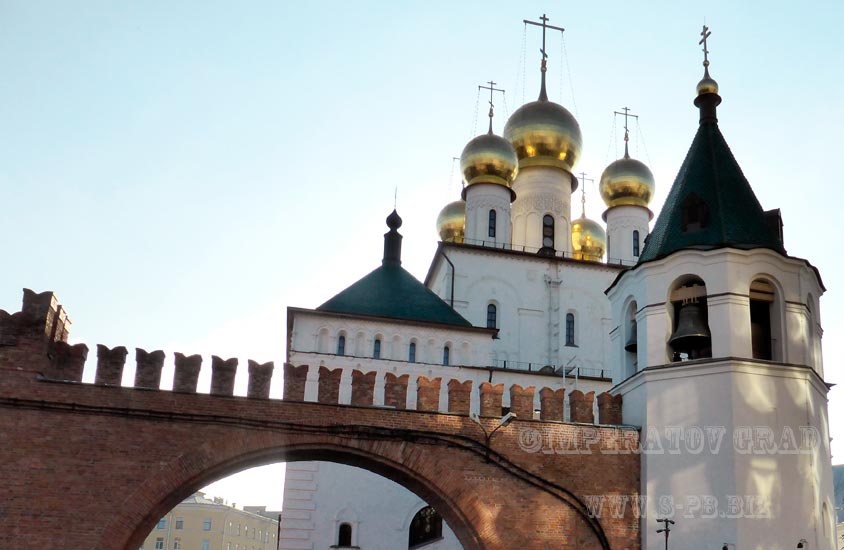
point(703, 324)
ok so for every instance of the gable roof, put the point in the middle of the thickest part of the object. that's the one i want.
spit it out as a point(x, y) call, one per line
point(390, 291)
point(711, 181)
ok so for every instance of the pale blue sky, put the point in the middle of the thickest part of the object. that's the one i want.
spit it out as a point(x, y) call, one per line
point(180, 172)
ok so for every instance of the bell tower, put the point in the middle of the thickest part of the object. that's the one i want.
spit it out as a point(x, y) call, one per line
point(717, 332)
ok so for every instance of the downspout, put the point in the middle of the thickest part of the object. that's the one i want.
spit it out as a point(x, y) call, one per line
point(451, 298)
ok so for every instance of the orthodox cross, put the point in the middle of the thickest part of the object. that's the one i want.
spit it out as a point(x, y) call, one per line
point(666, 529)
point(626, 114)
point(491, 89)
point(583, 180)
point(705, 34)
point(544, 24)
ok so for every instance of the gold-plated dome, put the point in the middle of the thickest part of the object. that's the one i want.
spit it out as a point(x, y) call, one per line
point(627, 181)
point(544, 133)
point(588, 240)
point(707, 85)
point(489, 159)
point(451, 223)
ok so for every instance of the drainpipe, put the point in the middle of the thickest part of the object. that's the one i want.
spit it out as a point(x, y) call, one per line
point(451, 298)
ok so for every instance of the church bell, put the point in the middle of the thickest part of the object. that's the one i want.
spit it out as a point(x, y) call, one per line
point(692, 335)
point(631, 342)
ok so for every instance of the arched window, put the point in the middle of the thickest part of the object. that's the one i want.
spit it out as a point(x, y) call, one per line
point(341, 345)
point(491, 316)
point(569, 329)
point(761, 335)
point(446, 353)
point(376, 349)
point(635, 243)
point(344, 535)
point(548, 231)
point(492, 223)
point(411, 353)
point(427, 526)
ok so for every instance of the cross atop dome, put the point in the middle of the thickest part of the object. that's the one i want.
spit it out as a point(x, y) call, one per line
point(491, 89)
point(543, 95)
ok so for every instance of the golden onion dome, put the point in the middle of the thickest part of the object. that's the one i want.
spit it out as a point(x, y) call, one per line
point(627, 181)
point(544, 133)
point(489, 158)
point(588, 240)
point(707, 85)
point(451, 223)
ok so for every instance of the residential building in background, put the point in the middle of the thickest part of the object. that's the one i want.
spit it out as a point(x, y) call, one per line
point(200, 523)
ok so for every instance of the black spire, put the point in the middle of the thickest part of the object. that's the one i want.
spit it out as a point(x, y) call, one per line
point(392, 241)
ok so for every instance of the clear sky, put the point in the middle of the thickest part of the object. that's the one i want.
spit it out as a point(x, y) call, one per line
point(181, 172)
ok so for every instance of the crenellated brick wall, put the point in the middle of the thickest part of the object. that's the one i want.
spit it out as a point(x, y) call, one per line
point(101, 463)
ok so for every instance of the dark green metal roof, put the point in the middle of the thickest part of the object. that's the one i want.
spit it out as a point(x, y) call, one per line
point(710, 181)
point(391, 292)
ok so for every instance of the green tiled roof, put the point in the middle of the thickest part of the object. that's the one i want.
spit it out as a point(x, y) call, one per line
point(735, 217)
point(391, 292)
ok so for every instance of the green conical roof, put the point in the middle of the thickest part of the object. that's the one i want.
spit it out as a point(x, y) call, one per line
point(391, 292)
point(711, 204)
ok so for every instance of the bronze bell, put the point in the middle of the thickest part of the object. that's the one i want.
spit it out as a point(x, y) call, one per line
point(631, 342)
point(692, 335)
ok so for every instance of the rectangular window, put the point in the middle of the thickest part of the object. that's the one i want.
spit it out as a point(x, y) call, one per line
point(376, 349)
point(635, 244)
point(411, 354)
point(159, 543)
point(238, 529)
point(492, 223)
point(162, 524)
point(177, 544)
point(206, 524)
point(206, 544)
point(180, 523)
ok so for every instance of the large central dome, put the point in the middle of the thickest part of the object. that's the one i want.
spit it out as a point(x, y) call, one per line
point(544, 133)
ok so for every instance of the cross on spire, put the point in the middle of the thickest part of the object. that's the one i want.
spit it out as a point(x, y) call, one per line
point(543, 95)
point(491, 89)
point(626, 114)
point(705, 33)
point(583, 180)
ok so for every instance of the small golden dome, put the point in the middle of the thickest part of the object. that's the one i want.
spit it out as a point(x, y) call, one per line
point(544, 133)
point(588, 240)
point(451, 223)
point(489, 159)
point(707, 86)
point(627, 181)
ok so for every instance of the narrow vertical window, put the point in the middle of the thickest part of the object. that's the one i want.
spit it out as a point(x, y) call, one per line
point(411, 354)
point(341, 345)
point(548, 231)
point(446, 353)
point(491, 316)
point(569, 329)
point(344, 535)
point(492, 216)
point(376, 349)
point(636, 243)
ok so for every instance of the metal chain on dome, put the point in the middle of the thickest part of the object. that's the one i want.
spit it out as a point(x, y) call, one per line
point(450, 187)
point(641, 137)
point(568, 71)
point(611, 142)
point(475, 119)
point(522, 62)
point(506, 108)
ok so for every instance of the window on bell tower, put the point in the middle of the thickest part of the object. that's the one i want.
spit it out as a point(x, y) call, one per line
point(636, 243)
point(492, 216)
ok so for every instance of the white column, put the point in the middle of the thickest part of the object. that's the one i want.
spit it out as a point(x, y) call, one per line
point(480, 199)
point(542, 190)
point(622, 221)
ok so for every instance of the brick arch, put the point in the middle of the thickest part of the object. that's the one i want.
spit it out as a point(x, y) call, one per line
point(321, 451)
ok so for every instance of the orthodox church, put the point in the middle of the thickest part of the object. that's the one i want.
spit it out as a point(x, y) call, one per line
point(704, 326)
